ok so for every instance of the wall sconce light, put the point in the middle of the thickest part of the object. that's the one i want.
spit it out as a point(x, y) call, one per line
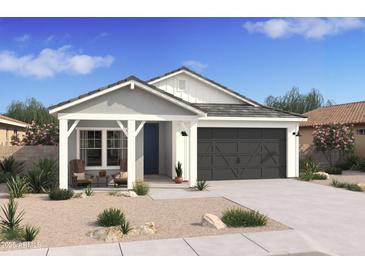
point(297, 134)
point(183, 133)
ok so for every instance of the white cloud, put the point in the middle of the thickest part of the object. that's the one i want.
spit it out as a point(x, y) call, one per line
point(195, 65)
point(49, 39)
point(312, 28)
point(22, 39)
point(50, 62)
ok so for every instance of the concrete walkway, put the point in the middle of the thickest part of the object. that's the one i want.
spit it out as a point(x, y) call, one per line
point(332, 219)
point(286, 242)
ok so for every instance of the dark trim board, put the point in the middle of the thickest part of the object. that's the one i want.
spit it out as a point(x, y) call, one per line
point(241, 153)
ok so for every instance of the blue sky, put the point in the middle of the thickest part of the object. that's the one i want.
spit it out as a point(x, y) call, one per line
point(55, 59)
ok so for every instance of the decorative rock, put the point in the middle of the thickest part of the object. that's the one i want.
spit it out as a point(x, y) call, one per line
point(80, 195)
point(323, 173)
point(110, 234)
point(129, 194)
point(213, 221)
point(362, 186)
point(148, 228)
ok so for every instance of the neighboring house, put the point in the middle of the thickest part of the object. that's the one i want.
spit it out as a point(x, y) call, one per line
point(215, 132)
point(9, 127)
point(349, 114)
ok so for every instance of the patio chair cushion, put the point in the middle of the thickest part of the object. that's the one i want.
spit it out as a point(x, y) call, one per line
point(80, 176)
point(123, 175)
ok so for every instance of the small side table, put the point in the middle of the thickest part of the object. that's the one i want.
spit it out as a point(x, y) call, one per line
point(98, 177)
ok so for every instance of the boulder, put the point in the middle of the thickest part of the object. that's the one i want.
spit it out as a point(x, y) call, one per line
point(148, 228)
point(323, 173)
point(109, 234)
point(129, 194)
point(213, 221)
point(362, 186)
point(80, 195)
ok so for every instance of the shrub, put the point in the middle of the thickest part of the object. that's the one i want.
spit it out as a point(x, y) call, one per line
point(12, 166)
point(11, 219)
point(50, 170)
point(30, 233)
point(141, 188)
point(60, 194)
point(318, 176)
point(361, 165)
point(201, 185)
point(306, 176)
point(348, 186)
point(88, 191)
point(308, 165)
point(125, 227)
point(111, 217)
point(38, 181)
point(4, 177)
point(17, 187)
point(237, 217)
point(333, 170)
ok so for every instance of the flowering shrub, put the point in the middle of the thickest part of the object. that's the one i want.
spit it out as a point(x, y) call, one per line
point(46, 134)
point(333, 138)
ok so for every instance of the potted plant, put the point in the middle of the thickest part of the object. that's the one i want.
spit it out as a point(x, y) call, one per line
point(178, 170)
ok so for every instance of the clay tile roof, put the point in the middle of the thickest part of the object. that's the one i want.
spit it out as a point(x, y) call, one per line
point(349, 113)
point(4, 119)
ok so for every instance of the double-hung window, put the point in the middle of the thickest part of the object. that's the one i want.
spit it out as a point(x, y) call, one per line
point(91, 147)
point(102, 148)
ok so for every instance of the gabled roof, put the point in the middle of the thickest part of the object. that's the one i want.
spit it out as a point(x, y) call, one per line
point(349, 113)
point(122, 83)
point(11, 121)
point(245, 110)
point(204, 79)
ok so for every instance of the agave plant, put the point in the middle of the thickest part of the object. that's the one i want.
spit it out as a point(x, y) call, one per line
point(11, 166)
point(30, 233)
point(37, 180)
point(49, 168)
point(17, 187)
point(201, 185)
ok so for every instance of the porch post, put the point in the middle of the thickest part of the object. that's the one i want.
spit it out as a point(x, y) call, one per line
point(193, 153)
point(131, 138)
point(63, 154)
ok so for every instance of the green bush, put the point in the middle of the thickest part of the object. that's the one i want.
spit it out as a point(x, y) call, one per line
point(4, 177)
point(308, 165)
point(30, 233)
point(38, 181)
point(141, 188)
point(237, 217)
point(17, 186)
point(333, 170)
point(111, 217)
point(201, 185)
point(361, 165)
point(348, 186)
point(318, 176)
point(60, 194)
point(50, 170)
point(12, 166)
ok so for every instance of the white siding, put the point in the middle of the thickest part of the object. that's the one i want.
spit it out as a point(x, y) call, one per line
point(196, 91)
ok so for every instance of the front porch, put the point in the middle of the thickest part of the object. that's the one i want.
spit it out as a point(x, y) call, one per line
point(101, 143)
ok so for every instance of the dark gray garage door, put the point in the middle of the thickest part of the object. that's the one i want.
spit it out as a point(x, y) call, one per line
point(241, 153)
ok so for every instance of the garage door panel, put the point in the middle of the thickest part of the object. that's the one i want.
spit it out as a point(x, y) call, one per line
point(241, 153)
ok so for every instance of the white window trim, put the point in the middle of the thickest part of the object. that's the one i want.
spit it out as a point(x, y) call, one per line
point(103, 146)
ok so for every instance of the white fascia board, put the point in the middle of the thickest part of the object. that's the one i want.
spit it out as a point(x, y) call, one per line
point(91, 96)
point(264, 119)
point(12, 123)
point(125, 117)
point(171, 99)
point(206, 82)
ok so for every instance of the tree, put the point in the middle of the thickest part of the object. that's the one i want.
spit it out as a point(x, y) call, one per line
point(331, 139)
point(295, 101)
point(46, 134)
point(30, 110)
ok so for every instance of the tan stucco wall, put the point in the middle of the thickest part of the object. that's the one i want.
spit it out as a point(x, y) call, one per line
point(306, 139)
point(6, 131)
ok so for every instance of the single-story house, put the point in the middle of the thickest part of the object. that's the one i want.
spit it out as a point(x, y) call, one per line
point(348, 114)
point(10, 127)
point(215, 132)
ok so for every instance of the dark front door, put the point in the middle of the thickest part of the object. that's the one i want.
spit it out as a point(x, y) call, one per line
point(241, 153)
point(151, 148)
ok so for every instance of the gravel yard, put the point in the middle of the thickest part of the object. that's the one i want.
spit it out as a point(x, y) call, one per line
point(67, 222)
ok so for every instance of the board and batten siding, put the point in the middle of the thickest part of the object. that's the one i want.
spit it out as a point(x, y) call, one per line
point(195, 91)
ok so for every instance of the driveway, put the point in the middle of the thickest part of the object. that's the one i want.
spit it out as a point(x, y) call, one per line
point(332, 219)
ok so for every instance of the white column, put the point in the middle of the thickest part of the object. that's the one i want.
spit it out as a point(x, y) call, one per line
point(131, 153)
point(193, 147)
point(292, 151)
point(63, 154)
point(173, 149)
